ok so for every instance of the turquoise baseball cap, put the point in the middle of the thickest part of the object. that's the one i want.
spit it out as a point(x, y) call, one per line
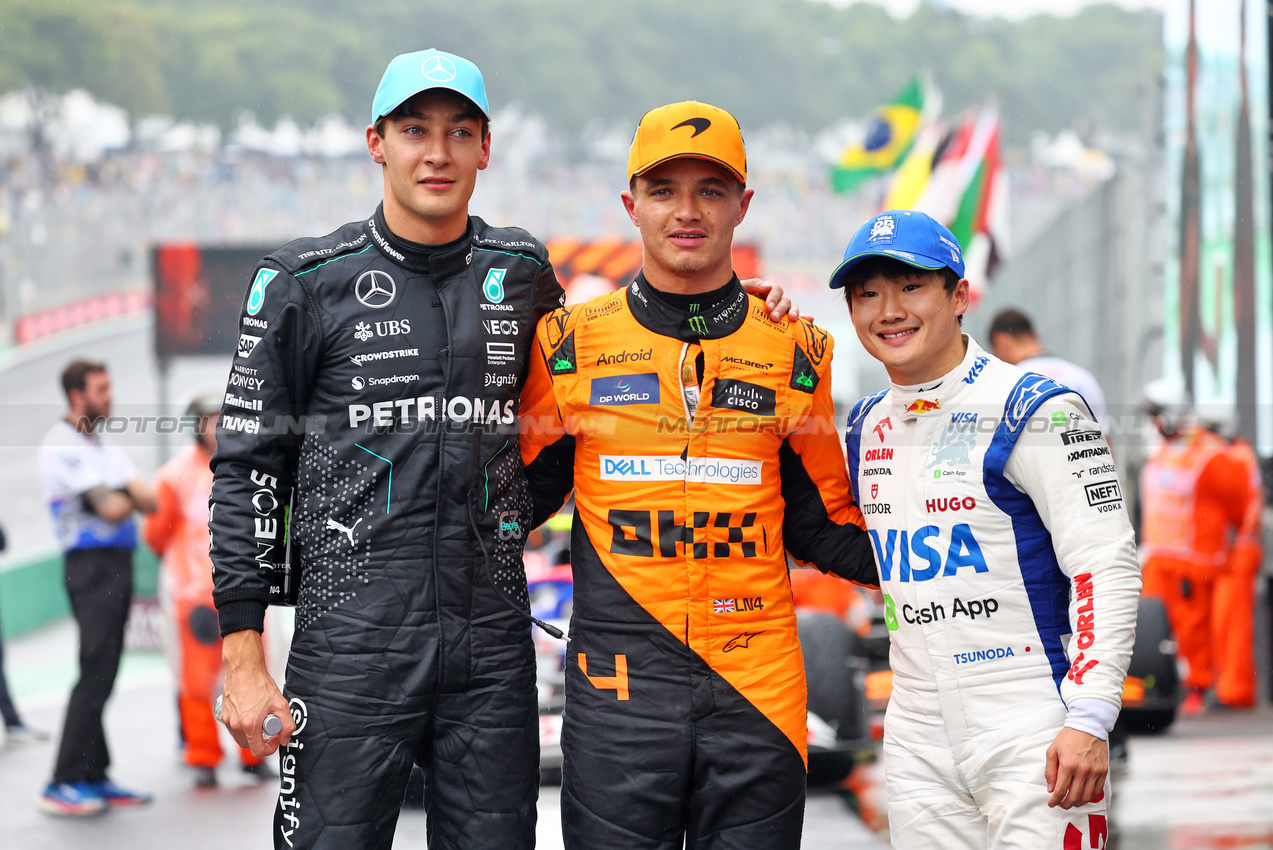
point(411, 73)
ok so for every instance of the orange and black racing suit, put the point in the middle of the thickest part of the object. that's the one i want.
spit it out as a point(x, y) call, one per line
point(701, 442)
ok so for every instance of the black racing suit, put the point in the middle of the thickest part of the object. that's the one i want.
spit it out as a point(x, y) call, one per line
point(375, 387)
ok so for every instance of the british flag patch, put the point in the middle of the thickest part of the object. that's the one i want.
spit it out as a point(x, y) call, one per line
point(724, 606)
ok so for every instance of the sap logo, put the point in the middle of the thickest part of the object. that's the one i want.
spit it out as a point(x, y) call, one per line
point(510, 528)
point(984, 655)
point(1079, 436)
point(895, 550)
point(626, 389)
point(247, 344)
point(500, 327)
point(977, 366)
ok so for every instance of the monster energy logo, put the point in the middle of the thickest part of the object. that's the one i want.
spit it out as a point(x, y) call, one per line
point(694, 308)
point(561, 364)
point(804, 380)
point(698, 325)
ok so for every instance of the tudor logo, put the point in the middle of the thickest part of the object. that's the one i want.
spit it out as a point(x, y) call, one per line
point(438, 69)
point(699, 125)
point(375, 289)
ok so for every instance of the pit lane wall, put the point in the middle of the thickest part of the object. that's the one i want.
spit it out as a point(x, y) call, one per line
point(32, 593)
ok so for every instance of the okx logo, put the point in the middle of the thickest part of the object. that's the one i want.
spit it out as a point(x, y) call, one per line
point(493, 287)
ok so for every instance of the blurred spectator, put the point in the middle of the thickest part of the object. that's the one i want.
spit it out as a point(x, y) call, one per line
point(1013, 340)
point(178, 532)
point(1233, 602)
point(92, 489)
point(1195, 494)
point(16, 732)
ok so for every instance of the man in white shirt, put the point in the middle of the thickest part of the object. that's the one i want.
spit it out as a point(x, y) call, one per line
point(92, 489)
point(1013, 340)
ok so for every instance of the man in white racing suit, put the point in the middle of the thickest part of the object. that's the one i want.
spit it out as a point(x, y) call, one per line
point(1006, 558)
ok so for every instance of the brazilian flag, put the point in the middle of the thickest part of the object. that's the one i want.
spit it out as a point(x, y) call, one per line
point(888, 138)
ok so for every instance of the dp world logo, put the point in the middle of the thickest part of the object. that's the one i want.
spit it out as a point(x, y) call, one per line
point(493, 287)
point(375, 289)
point(438, 69)
point(256, 298)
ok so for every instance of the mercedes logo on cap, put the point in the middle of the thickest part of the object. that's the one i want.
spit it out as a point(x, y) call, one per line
point(438, 69)
point(375, 289)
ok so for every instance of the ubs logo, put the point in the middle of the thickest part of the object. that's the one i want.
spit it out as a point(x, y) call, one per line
point(375, 289)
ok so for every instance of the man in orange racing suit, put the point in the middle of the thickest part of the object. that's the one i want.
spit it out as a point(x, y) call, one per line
point(178, 532)
point(1233, 599)
point(1194, 494)
point(700, 439)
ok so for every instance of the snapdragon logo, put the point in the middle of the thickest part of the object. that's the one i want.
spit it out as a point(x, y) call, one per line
point(698, 470)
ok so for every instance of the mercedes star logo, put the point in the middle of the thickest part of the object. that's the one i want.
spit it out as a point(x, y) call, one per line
point(375, 289)
point(438, 69)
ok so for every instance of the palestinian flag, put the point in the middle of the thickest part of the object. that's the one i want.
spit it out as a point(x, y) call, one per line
point(888, 138)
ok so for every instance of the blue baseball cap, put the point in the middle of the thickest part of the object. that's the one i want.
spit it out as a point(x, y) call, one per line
point(911, 236)
point(411, 73)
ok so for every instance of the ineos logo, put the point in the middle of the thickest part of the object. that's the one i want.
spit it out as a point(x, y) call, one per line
point(438, 69)
point(375, 289)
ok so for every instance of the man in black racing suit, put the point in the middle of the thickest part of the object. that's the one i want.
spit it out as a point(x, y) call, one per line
point(375, 390)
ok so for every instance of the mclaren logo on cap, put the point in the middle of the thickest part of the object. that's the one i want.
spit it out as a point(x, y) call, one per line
point(438, 69)
point(699, 125)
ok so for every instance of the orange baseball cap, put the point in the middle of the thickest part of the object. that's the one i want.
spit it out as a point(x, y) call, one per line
point(689, 129)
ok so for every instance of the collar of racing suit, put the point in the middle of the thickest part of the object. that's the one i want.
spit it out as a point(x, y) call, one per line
point(719, 313)
point(445, 259)
point(912, 402)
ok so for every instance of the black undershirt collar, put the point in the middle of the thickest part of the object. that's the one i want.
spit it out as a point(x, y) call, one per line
point(418, 255)
point(689, 318)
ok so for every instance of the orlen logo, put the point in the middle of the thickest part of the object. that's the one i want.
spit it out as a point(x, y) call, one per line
point(898, 546)
point(1086, 628)
point(953, 503)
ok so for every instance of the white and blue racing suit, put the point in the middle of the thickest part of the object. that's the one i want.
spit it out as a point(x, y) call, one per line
point(1010, 577)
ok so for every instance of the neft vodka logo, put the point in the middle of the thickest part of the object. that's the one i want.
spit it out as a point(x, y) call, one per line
point(626, 389)
point(247, 344)
point(698, 470)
